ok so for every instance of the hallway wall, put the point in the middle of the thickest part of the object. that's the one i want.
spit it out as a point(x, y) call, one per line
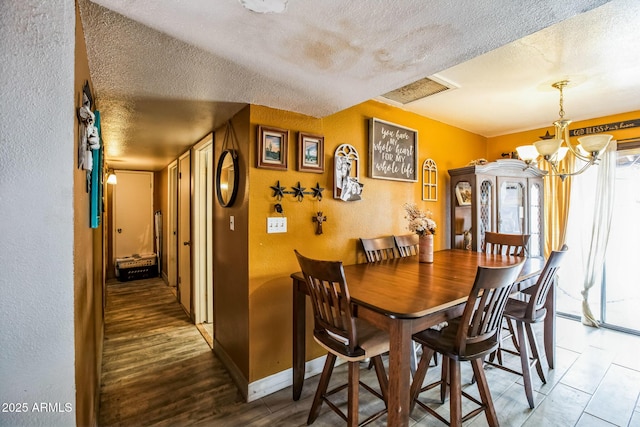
point(37, 106)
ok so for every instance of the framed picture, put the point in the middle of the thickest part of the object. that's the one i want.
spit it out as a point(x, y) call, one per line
point(463, 193)
point(272, 148)
point(310, 153)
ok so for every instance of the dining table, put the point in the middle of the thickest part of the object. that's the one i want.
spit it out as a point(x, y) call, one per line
point(403, 296)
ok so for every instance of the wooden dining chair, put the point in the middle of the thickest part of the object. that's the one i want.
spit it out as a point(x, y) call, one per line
point(342, 335)
point(467, 338)
point(379, 248)
point(407, 245)
point(507, 244)
point(524, 314)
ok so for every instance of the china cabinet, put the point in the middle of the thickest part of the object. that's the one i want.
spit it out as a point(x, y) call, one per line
point(504, 196)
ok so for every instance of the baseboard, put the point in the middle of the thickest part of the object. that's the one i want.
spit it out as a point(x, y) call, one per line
point(236, 375)
point(265, 386)
point(283, 379)
point(165, 278)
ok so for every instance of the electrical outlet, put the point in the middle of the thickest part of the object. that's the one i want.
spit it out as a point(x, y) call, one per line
point(276, 225)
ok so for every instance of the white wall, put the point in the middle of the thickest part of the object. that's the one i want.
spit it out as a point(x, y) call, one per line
point(37, 110)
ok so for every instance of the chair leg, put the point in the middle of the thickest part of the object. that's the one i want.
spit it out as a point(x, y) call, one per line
point(322, 388)
point(535, 351)
point(455, 393)
point(445, 378)
point(524, 362)
point(418, 378)
point(352, 399)
point(383, 380)
point(485, 394)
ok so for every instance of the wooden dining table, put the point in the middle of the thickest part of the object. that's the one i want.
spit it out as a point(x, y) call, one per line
point(403, 296)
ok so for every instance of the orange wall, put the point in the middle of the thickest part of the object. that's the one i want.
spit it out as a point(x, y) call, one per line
point(271, 257)
point(508, 143)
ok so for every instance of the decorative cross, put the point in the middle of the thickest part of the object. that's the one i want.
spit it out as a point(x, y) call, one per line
point(319, 219)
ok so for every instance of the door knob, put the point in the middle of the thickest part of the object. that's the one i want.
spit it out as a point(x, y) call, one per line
point(186, 243)
point(119, 230)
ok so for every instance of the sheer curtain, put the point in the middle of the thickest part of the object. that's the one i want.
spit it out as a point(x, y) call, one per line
point(590, 213)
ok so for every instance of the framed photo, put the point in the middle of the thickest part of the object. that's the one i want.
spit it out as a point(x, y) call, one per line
point(310, 153)
point(272, 148)
point(463, 193)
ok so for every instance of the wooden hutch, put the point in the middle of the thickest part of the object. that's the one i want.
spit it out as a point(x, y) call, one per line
point(504, 196)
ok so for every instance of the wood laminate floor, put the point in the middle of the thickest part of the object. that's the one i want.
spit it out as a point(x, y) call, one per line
point(158, 370)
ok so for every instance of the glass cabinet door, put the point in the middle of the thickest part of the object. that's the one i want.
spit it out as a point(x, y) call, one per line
point(511, 204)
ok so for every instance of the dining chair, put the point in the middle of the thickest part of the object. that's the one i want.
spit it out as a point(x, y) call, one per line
point(342, 335)
point(469, 337)
point(407, 244)
point(524, 314)
point(379, 248)
point(508, 244)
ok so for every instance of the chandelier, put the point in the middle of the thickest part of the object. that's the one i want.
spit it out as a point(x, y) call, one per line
point(553, 150)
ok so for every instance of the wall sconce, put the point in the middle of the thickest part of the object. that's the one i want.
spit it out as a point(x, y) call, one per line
point(553, 150)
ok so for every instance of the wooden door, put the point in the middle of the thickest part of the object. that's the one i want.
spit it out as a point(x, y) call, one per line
point(133, 214)
point(172, 226)
point(184, 231)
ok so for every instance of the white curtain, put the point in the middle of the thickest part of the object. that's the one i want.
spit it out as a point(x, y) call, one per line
point(592, 196)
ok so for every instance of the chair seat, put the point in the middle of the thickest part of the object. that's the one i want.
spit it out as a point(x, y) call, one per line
point(517, 310)
point(371, 340)
point(444, 342)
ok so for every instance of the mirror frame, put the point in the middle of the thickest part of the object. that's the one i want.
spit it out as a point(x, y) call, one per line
point(236, 178)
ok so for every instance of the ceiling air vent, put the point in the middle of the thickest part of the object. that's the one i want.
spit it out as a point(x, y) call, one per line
point(416, 90)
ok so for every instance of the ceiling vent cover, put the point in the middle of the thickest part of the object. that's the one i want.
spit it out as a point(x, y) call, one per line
point(416, 90)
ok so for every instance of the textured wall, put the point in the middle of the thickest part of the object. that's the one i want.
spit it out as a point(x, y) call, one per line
point(36, 211)
point(380, 212)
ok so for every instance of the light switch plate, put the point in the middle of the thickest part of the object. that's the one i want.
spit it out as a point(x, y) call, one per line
point(276, 224)
point(232, 223)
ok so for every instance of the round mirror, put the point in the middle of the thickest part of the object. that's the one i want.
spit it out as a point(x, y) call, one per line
point(227, 178)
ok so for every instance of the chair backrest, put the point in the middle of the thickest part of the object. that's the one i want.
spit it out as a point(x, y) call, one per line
point(482, 317)
point(334, 323)
point(407, 244)
point(544, 283)
point(379, 248)
point(506, 244)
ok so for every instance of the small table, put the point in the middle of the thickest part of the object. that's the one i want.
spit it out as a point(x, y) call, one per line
point(403, 296)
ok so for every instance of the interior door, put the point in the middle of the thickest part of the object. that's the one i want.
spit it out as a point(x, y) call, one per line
point(184, 231)
point(133, 214)
point(172, 226)
point(202, 251)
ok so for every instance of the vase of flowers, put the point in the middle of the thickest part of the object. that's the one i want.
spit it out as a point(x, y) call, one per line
point(421, 223)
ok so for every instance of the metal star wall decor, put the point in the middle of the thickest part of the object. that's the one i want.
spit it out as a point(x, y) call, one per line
point(317, 191)
point(278, 191)
point(547, 136)
point(298, 192)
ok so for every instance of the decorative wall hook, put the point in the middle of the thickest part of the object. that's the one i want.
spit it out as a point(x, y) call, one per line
point(278, 191)
point(297, 191)
point(319, 219)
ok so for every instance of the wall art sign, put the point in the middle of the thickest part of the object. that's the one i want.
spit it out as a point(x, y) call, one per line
point(393, 151)
point(590, 130)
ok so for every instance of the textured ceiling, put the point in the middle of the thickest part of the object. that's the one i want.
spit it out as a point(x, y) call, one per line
point(166, 73)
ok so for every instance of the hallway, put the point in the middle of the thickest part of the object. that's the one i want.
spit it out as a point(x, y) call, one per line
point(157, 370)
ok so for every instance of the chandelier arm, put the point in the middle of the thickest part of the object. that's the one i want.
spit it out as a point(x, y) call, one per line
point(564, 131)
point(563, 175)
